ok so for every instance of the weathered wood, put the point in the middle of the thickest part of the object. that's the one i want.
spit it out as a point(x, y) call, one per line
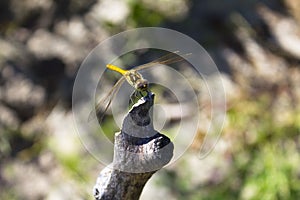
point(138, 153)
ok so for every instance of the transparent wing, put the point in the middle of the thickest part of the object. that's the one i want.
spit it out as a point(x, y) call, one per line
point(105, 102)
point(166, 59)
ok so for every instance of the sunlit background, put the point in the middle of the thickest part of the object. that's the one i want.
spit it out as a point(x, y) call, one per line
point(255, 44)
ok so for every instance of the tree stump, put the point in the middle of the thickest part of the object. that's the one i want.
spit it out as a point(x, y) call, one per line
point(139, 152)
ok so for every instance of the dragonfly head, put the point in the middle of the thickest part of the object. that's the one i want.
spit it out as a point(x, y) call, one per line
point(142, 85)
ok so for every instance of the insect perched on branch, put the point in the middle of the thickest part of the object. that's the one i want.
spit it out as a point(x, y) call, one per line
point(135, 79)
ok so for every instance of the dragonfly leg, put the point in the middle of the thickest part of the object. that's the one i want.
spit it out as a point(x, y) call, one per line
point(133, 98)
point(136, 95)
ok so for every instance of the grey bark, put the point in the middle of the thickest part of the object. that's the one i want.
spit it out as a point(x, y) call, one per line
point(139, 152)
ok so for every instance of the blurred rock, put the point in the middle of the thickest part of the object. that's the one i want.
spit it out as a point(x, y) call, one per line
point(30, 13)
point(27, 179)
point(285, 30)
point(31, 182)
point(294, 84)
point(294, 8)
point(112, 11)
point(47, 45)
point(8, 118)
point(20, 93)
point(64, 138)
point(74, 30)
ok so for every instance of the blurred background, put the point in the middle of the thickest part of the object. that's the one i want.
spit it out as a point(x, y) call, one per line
point(255, 44)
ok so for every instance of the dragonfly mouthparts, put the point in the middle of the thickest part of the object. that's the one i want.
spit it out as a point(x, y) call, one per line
point(142, 85)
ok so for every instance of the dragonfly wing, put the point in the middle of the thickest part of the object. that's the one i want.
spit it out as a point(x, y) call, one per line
point(166, 59)
point(105, 102)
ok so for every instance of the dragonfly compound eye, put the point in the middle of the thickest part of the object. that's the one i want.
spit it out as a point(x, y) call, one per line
point(142, 85)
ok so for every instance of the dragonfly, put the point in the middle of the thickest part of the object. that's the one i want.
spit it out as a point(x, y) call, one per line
point(134, 78)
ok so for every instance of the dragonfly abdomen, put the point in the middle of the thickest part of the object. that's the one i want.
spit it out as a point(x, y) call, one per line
point(117, 69)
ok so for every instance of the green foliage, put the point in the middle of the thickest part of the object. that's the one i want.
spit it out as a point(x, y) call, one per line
point(266, 157)
point(109, 127)
point(269, 175)
point(8, 193)
point(140, 15)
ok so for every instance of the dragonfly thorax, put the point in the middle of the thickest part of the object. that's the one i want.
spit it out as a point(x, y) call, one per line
point(136, 80)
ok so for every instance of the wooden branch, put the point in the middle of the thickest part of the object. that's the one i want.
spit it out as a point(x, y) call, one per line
point(139, 152)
